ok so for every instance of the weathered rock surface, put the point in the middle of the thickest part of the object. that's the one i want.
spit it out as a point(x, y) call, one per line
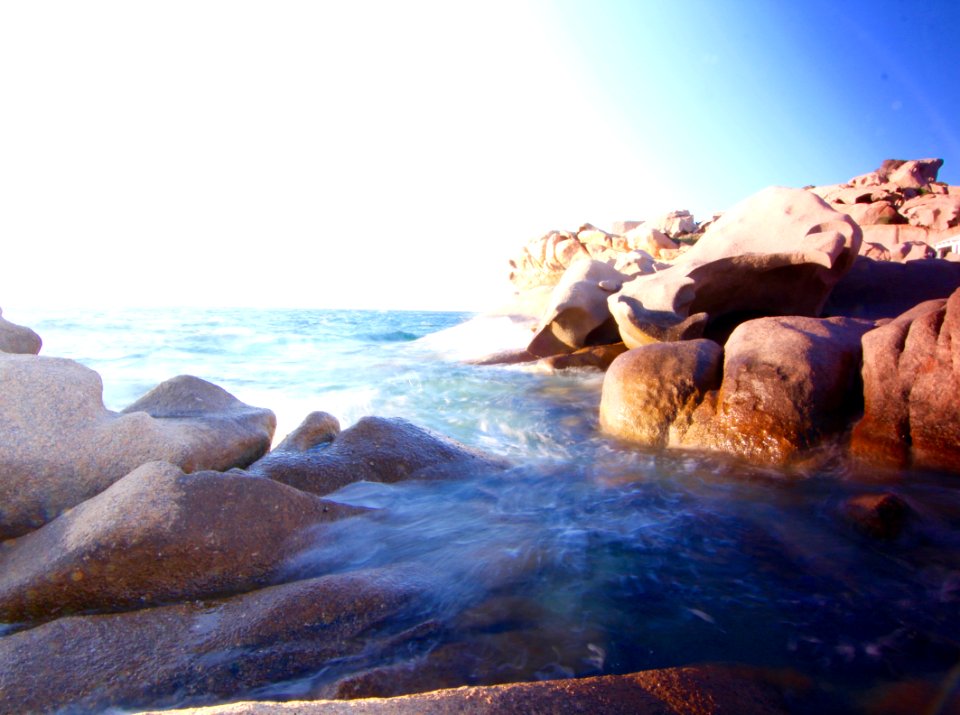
point(578, 314)
point(375, 449)
point(650, 239)
point(17, 338)
point(911, 376)
point(317, 428)
point(779, 252)
point(650, 389)
point(933, 211)
point(63, 446)
point(161, 656)
point(156, 536)
point(787, 382)
point(543, 260)
point(697, 690)
point(879, 289)
point(599, 357)
point(675, 223)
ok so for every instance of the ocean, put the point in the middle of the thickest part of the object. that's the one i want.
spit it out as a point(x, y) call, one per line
point(615, 559)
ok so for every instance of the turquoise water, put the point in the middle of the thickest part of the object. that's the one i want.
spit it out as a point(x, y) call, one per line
point(598, 558)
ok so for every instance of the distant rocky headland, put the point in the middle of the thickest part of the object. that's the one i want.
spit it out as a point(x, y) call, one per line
point(140, 549)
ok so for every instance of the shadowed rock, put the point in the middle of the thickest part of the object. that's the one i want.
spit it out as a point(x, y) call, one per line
point(779, 252)
point(62, 446)
point(880, 516)
point(598, 358)
point(159, 535)
point(206, 651)
point(17, 338)
point(375, 449)
point(911, 376)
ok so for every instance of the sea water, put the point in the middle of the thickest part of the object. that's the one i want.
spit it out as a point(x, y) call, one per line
point(610, 559)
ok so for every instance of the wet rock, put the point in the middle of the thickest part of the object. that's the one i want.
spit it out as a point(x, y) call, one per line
point(63, 446)
point(696, 690)
point(880, 516)
point(878, 289)
point(648, 390)
point(779, 252)
point(17, 338)
point(598, 358)
point(578, 314)
point(156, 536)
point(317, 428)
point(375, 449)
point(159, 657)
point(787, 382)
point(911, 376)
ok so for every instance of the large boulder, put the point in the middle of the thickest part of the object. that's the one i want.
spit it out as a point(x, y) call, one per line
point(159, 535)
point(911, 376)
point(787, 383)
point(17, 338)
point(62, 446)
point(578, 315)
point(878, 289)
point(779, 252)
point(203, 651)
point(375, 449)
point(650, 389)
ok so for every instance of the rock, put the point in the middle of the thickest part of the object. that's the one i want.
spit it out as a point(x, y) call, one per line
point(876, 290)
point(876, 252)
point(63, 446)
point(880, 516)
point(17, 338)
point(543, 260)
point(649, 239)
point(578, 314)
point(916, 251)
point(787, 383)
point(675, 223)
point(317, 428)
point(637, 263)
point(649, 389)
point(159, 535)
point(878, 213)
point(696, 690)
point(781, 251)
point(375, 449)
point(917, 173)
point(932, 211)
point(598, 357)
point(162, 656)
point(911, 376)
point(893, 235)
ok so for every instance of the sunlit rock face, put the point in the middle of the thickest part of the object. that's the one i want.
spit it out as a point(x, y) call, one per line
point(578, 314)
point(17, 338)
point(911, 376)
point(63, 446)
point(778, 386)
point(155, 536)
point(375, 449)
point(780, 252)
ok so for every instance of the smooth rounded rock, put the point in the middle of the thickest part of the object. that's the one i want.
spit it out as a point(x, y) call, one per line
point(18, 338)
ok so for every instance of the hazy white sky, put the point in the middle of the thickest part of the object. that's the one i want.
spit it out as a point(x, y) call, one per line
point(396, 154)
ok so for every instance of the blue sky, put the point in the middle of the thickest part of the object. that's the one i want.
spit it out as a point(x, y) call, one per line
point(396, 155)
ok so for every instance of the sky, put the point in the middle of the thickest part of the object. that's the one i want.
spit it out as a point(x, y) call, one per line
point(395, 155)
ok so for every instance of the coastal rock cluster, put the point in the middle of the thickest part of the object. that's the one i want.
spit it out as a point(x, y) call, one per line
point(786, 321)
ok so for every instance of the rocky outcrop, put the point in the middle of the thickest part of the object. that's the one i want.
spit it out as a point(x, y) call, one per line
point(779, 252)
point(578, 315)
point(911, 376)
point(697, 690)
point(375, 449)
point(64, 446)
point(202, 650)
point(156, 536)
point(785, 383)
point(17, 338)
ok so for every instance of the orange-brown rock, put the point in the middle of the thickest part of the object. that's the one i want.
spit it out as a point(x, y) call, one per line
point(155, 536)
point(599, 357)
point(911, 376)
point(881, 516)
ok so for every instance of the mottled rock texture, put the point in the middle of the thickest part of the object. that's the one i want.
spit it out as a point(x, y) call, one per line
point(17, 338)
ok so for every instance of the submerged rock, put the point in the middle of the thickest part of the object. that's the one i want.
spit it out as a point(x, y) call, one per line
point(911, 376)
point(17, 338)
point(155, 536)
point(63, 446)
point(375, 449)
point(881, 516)
point(779, 252)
